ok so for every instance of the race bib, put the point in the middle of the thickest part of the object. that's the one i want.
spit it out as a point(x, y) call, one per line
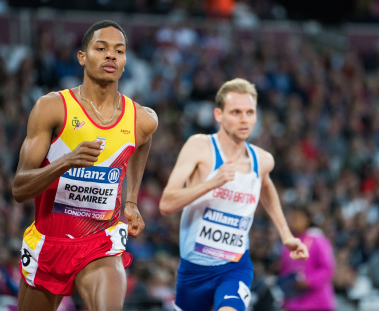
point(222, 235)
point(88, 192)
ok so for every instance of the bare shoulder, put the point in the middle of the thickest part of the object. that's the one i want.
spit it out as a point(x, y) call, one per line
point(266, 160)
point(49, 108)
point(50, 103)
point(200, 142)
point(199, 146)
point(147, 119)
point(51, 98)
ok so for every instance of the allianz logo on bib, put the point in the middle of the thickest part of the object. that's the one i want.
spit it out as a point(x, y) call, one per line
point(98, 174)
point(226, 219)
point(114, 175)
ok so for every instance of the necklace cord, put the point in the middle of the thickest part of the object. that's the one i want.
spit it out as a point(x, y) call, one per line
point(102, 118)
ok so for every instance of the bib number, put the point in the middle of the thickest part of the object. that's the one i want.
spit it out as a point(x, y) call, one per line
point(124, 236)
point(88, 192)
point(25, 258)
point(222, 235)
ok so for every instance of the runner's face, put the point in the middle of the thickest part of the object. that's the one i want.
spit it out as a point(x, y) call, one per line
point(239, 115)
point(104, 59)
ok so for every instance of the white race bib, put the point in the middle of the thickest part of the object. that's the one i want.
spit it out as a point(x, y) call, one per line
point(88, 192)
point(222, 235)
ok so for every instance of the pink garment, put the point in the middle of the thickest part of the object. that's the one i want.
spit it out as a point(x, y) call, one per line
point(318, 270)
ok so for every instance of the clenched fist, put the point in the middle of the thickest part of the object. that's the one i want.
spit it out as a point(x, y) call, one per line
point(298, 250)
point(225, 173)
point(135, 221)
point(84, 155)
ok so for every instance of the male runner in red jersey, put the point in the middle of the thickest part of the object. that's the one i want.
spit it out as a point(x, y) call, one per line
point(73, 161)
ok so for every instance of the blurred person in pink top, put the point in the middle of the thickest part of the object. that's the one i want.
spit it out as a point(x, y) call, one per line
point(312, 279)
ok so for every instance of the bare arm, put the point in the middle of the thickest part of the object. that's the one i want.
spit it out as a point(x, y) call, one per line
point(136, 167)
point(31, 180)
point(270, 201)
point(175, 197)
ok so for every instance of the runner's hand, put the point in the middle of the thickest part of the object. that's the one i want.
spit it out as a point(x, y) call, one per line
point(84, 155)
point(225, 173)
point(298, 250)
point(135, 221)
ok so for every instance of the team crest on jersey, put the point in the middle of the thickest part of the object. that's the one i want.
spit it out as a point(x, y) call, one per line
point(102, 146)
point(75, 121)
point(77, 124)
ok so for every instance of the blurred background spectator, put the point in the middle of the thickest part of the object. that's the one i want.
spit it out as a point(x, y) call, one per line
point(308, 284)
point(318, 115)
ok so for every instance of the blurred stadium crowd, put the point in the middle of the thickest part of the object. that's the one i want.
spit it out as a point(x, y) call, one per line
point(318, 112)
point(337, 11)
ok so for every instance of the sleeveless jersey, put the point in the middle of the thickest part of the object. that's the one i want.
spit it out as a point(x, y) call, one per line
point(214, 228)
point(84, 201)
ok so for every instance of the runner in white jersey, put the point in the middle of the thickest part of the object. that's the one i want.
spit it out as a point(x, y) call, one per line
point(217, 182)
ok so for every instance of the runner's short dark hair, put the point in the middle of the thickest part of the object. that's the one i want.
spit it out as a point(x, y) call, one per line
point(100, 25)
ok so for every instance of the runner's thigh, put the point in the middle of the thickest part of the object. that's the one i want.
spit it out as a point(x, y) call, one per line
point(30, 299)
point(193, 294)
point(102, 284)
point(234, 290)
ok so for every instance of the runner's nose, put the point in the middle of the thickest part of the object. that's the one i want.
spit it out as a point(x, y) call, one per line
point(110, 56)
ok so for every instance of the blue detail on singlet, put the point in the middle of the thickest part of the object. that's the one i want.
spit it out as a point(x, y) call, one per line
point(254, 159)
point(218, 158)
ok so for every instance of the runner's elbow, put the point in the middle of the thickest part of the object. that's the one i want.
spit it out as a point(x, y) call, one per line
point(18, 191)
point(164, 206)
point(164, 209)
point(17, 195)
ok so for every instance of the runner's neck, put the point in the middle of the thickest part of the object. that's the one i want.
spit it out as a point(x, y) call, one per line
point(101, 96)
point(231, 148)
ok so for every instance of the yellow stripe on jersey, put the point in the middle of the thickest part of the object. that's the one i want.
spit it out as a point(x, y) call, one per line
point(80, 127)
point(32, 236)
point(25, 273)
point(111, 228)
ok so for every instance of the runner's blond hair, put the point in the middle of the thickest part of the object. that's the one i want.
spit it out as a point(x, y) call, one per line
point(237, 85)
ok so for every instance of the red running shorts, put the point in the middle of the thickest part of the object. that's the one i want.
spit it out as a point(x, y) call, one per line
point(52, 263)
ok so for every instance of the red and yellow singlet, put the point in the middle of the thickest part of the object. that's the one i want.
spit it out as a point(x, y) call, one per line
point(84, 201)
